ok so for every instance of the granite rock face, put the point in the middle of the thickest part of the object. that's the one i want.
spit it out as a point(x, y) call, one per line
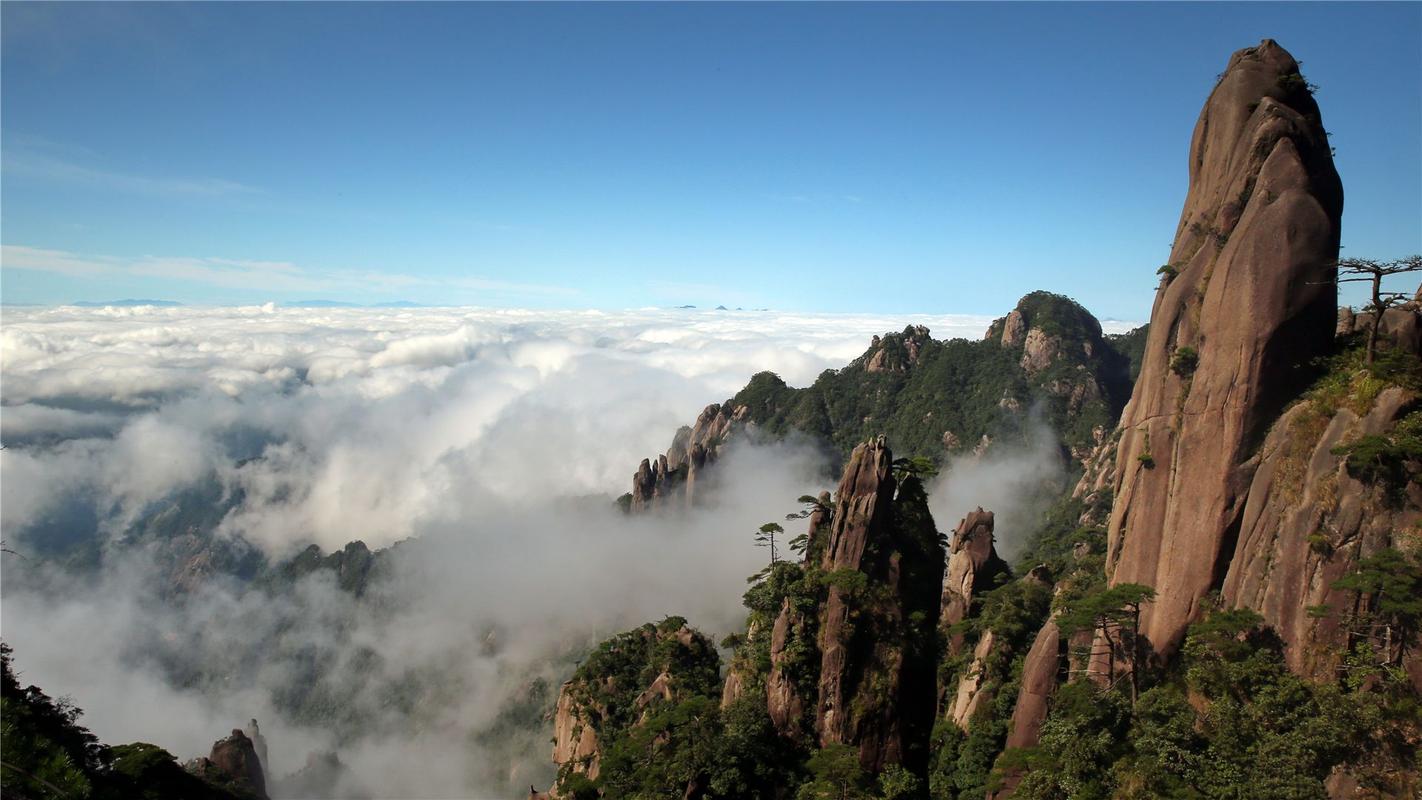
point(864, 649)
point(1307, 523)
point(233, 761)
point(862, 513)
point(671, 480)
point(1250, 305)
point(575, 741)
point(973, 567)
point(1401, 325)
point(1040, 674)
point(898, 353)
point(622, 684)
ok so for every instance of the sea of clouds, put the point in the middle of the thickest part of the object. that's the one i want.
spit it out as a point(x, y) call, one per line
point(370, 422)
point(497, 438)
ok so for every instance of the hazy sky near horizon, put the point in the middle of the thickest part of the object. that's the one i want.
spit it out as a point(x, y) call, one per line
point(886, 158)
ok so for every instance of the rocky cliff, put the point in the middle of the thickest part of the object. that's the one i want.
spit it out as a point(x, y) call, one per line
point(624, 683)
point(1260, 490)
point(1244, 306)
point(671, 480)
point(233, 763)
point(1313, 513)
point(973, 567)
point(885, 567)
point(926, 396)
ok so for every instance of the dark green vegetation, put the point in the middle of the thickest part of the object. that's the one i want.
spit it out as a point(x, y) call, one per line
point(914, 389)
point(1223, 717)
point(1352, 379)
point(1390, 459)
point(47, 754)
point(1131, 344)
point(1227, 720)
point(658, 741)
point(962, 762)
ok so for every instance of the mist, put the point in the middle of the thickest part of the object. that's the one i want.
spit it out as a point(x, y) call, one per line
point(483, 447)
point(1016, 480)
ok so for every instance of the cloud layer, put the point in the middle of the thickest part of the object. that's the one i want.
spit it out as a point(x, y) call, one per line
point(494, 438)
point(342, 424)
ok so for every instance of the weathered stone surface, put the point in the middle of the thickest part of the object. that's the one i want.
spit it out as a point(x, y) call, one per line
point(259, 745)
point(1307, 522)
point(606, 697)
point(233, 760)
point(973, 566)
point(896, 352)
point(1039, 350)
point(783, 700)
point(732, 690)
point(660, 688)
point(1040, 673)
point(1014, 329)
point(950, 441)
point(1346, 320)
point(671, 480)
point(876, 683)
point(575, 741)
point(970, 694)
point(1253, 298)
point(1401, 325)
point(862, 512)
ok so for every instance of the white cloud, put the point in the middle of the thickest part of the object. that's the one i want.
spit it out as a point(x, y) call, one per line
point(495, 437)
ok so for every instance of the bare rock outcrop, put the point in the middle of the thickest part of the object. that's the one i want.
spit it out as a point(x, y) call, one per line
point(233, 762)
point(1038, 351)
point(971, 693)
point(575, 742)
point(785, 700)
point(876, 680)
point(857, 666)
point(1040, 675)
point(1014, 329)
point(896, 352)
point(973, 567)
point(861, 513)
point(259, 744)
point(622, 684)
point(1307, 523)
point(1251, 303)
point(1401, 325)
point(671, 479)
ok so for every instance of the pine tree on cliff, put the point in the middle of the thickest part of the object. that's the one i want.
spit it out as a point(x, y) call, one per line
point(1366, 270)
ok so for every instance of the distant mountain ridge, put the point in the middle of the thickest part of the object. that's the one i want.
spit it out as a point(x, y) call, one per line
point(127, 303)
point(1045, 360)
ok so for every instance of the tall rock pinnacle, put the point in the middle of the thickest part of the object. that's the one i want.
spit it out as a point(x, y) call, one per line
point(876, 676)
point(1246, 302)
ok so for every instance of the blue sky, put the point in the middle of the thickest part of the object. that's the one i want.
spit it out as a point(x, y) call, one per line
point(831, 157)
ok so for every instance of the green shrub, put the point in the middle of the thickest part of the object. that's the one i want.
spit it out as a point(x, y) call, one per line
point(1184, 361)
